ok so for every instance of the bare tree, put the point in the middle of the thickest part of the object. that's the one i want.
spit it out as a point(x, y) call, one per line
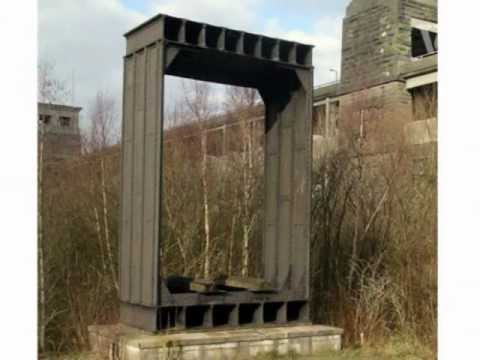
point(50, 90)
point(80, 227)
point(103, 128)
point(200, 107)
point(181, 205)
point(242, 103)
point(102, 133)
point(213, 166)
point(68, 290)
point(42, 323)
point(373, 228)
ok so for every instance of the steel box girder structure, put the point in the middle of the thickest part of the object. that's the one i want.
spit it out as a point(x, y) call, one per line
point(282, 72)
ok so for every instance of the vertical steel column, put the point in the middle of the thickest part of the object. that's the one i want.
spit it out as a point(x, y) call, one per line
point(287, 185)
point(141, 185)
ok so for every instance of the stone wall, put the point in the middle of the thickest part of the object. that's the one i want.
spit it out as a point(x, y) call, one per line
point(377, 39)
point(60, 146)
point(60, 140)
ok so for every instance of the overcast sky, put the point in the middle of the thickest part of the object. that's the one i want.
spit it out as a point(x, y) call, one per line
point(83, 38)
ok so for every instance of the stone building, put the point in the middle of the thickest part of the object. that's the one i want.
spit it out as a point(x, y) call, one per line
point(58, 127)
point(388, 78)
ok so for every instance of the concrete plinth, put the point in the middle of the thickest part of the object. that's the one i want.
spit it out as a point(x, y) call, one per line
point(122, 343)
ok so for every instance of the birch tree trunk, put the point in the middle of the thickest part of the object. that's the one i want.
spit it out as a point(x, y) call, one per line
point(99, 234)
point(41, 259)
point(230, 246)
point(247, 193)
point(206, 272)
point(245, 202)
point(105, 225)
point(200, 108)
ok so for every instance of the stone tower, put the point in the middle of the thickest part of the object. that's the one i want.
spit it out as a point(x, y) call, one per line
point(378, 37)
point(58, 126)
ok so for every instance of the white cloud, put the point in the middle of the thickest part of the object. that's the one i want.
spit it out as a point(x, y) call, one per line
point(326, 37)
point(233, 14)
point(85, 37)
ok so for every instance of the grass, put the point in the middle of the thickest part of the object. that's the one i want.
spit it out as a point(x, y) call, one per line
point(394, 349)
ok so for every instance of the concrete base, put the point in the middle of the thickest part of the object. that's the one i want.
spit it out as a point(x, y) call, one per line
point(122, 343)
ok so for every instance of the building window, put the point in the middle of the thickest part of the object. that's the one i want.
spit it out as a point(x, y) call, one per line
point(425, 102)
point(423, 42)
point(320, 120)
point(45, 119)
point(64, 121)
point(215, 142)
point(234, 138)
point(334, 115)
point(325, 118)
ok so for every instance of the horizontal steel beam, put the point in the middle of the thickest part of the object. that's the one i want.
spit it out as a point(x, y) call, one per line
point(205, 36)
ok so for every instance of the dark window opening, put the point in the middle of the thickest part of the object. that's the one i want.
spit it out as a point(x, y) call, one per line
point(320, 120)
point(45, 119)
point(425, 102)
point(423, 42)
point(65, 121)
point(334, 114)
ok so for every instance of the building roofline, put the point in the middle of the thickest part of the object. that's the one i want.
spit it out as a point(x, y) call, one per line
point(416, 67)
point(326, 90)
point(60, 106)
